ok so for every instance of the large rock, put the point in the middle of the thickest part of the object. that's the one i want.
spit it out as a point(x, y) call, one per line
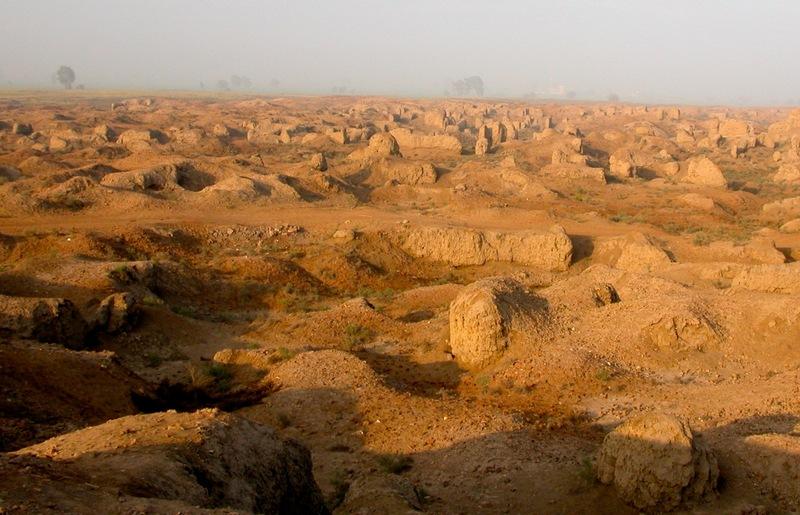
point(117, 312)
point(703, 172)
point(656, 463)
point(137, 140)
point(621, 164)
point(401, 171)
point(482, 318)
point(49, 320)
point(208, 459)
point(459, 246)
point(775, 278)
point(410, 140)
point(634, 252)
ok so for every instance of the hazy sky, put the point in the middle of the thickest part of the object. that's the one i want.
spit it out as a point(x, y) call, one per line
point(702, 51)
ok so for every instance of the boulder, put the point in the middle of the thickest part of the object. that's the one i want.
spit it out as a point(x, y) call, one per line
point(635, 252)
point(656, 463)
point(780, 278)
point(137, 140)
point(104, 133)
point(207, 459)
point(788, 172)
point(681, 326)
point(400, 171)
point(459, 246)
point(703, 172)
point(50, 320)
point(318, 162)
point(22, 129)
point(117, 312)
point(621, 164)
point(481, 146)
point(483, 316)
point(407, 139)
point(698, 201)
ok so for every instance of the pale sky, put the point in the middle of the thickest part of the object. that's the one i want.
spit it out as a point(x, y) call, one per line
point(696, 51)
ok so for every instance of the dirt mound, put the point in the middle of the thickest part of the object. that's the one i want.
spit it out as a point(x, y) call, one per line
point(46, 320)
point(207, 458)
point(483, 317)
point(48, 390)
point(656, 463)
point(682, 326)
point(381, 494)
point(773, 460)
point(325, 369)
point(270, 270)
point(551, 250)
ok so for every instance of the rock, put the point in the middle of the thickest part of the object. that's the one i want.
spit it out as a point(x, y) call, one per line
point(788, 172)
point(57, 144)
point(137, 140)
point(791, 226)
point(634, 252)
point(575, 172)
point(551, 250)
point(771, 459)
point(383, 144)
point(8, 173)
point(604, 294)
point(117, 312)
point(207, 459)
point(681, 326)
point(735, 129)
point(221, 131)
point(758, 251)
point(703, 172)
point(318, 162)
point(22, 129)
point(481, 146)
point(698, 201)
point(621, 164)
point(656, 463)
point(482, 318)
point(344, 234)
point(400, 171)
point(783, 278)
point(406, 139)
point(104, 133)
point(375, 493)
point(50, 320)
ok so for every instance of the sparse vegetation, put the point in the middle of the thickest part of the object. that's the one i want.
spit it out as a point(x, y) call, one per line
point(395, 464)
point(356, 336)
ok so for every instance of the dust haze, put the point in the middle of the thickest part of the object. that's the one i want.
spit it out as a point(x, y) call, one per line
point(677, 52)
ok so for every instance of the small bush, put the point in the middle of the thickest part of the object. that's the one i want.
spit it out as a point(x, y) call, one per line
point(340, 485)
point(281, 354)
point(356, 336)
point(395, 464)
